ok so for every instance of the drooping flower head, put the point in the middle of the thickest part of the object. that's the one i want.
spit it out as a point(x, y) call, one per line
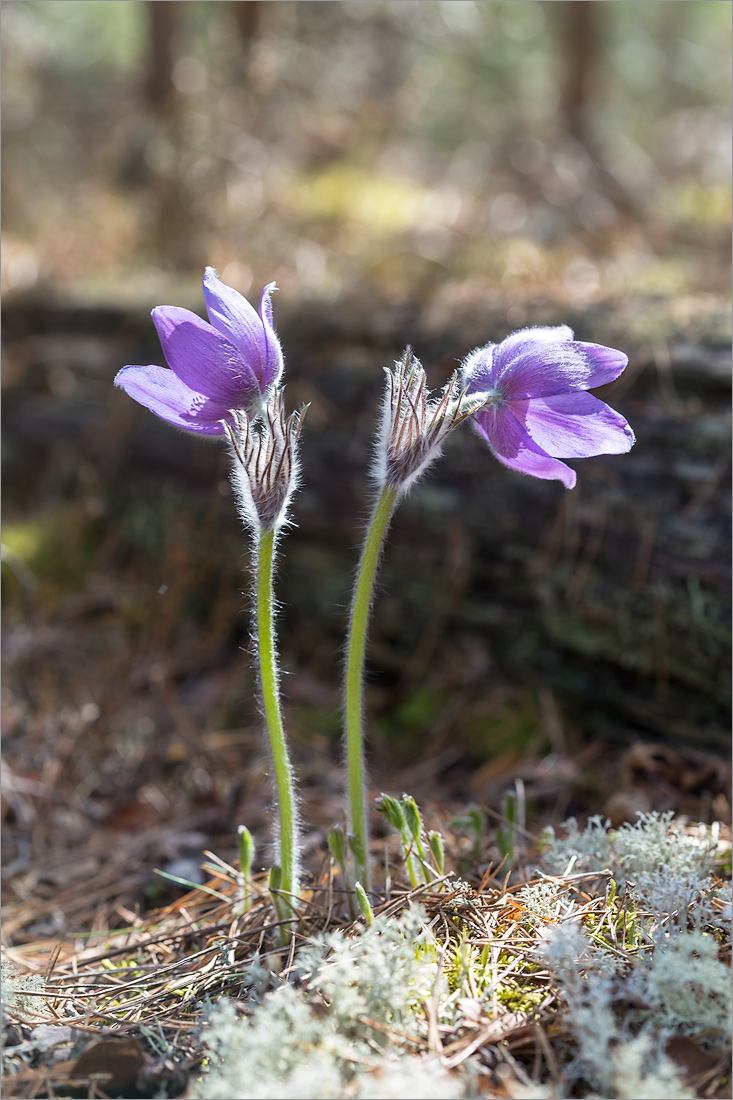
point(414, 423)
point(536, 409)
point(213, 368)
point(265, 469)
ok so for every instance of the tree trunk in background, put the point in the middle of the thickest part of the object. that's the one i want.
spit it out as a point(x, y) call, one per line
point(160, 91)
point(580, 64)
point(581, 58)
point(170, 211)
point(247, 15)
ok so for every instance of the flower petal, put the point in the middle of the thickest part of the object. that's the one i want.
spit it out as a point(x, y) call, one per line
point(476, 373)
point(540, 334)
point(161, 391)
point(274, 360)
point(606, 364)
point(514, 448)
point(203, 359)
point(478, 367)
point(231, 314)
point(526, 366)
point(574, 425)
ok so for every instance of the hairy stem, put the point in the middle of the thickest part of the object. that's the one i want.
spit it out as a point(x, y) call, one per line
point(355, 676)
point(269, 683)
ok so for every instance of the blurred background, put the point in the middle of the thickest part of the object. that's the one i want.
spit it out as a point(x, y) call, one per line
point(420, 171)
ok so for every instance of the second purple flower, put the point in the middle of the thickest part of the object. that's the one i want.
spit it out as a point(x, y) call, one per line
point(537, 411)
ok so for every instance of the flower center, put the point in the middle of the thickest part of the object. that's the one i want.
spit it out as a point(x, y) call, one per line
point(493, 397)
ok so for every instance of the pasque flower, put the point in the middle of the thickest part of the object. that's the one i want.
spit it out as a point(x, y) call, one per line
point(536, 409)
point(215, 368)
point(413, 428)
point(223, 378)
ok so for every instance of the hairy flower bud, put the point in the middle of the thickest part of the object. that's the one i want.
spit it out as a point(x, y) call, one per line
point(265, 472)
point(392, 810)
point(412, 816)
point(337, 844)
point(437, 850)
point(364, 904)
point(246, 850)
point(246, 858)
point(414, 424)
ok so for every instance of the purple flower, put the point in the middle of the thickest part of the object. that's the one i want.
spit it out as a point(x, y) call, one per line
point(537, 410)
point(215, 368)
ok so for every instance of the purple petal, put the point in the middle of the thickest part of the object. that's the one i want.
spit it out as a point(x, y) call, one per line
point(266, 304)
point(514, 448)
point(231, 314)
point(525, 366)
point(203, 359)
point(607, 363)
point(541, 334)
point(159, 390)
point(274, 359)
point(574, 425)
point(476, 370)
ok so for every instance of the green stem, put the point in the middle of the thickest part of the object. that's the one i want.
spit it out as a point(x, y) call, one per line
point(288, 855)
point(354, 680)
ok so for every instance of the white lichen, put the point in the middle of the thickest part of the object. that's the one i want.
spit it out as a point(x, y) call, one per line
point(545, 900)
point(687, 988)
point(650, 844)
point(628, 976)
point(16, 996)
point(674, 900)
point(655, 841)
point(384, 973)
point(621, 1009)
point(318, 1040)
point(589, 850)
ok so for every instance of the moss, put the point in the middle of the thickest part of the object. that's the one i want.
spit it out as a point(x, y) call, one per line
point(515, 999)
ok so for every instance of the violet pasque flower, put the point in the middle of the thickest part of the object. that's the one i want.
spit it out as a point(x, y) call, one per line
point(216, 368)
point(536, 408)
